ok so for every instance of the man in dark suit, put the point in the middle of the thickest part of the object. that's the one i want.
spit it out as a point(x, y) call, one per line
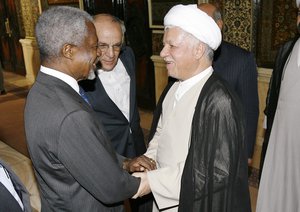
point(238, 68)
point(76, 167)
point(13, 194)
point(112, 94)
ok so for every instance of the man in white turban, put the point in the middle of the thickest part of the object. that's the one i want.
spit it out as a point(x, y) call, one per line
point(279, 188)
point(198, 143)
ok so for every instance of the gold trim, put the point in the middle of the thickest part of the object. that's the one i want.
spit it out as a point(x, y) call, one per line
point(158, 31)
point(81, 6)
point(264, 74)
point(40, 7)
point(150, 17)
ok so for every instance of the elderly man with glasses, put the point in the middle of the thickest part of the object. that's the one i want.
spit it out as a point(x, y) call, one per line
point(112, 94)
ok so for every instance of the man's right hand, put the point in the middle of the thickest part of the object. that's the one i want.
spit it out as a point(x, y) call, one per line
point(139, 164)
point(144, 187)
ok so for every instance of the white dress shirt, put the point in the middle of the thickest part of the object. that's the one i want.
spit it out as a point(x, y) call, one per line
point(186, 85)
point(117, 86)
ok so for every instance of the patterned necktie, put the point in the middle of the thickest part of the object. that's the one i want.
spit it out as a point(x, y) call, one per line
point(83, 95)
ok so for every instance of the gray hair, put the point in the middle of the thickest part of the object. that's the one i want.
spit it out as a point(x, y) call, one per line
point(114, 19)
point(209, 52)
point(60, 25)
point(217, 15)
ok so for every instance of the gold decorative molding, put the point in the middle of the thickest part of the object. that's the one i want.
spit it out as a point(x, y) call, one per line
point(30, 13)
point(81, 5)
point(161, 75)
point(264, 74)
point(31, 57)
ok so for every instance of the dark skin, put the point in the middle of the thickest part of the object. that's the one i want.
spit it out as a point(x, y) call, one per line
point(77, 60)
point(139, 164)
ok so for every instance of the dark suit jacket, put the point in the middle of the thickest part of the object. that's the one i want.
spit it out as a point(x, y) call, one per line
point(126, 136)
point(7, 201)
point(75, 165)
point(237, 66)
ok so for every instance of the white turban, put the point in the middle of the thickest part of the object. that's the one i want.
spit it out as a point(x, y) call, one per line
point(196, 22)
point(297, 3)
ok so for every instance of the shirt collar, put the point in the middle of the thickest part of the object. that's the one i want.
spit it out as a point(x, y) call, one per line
point(62, 76)
point(116, 69)
point(185, 85)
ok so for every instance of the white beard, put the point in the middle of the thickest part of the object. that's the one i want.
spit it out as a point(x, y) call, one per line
point(91, 75)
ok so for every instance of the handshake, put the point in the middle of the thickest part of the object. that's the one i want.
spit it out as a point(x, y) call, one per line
point(138, 167)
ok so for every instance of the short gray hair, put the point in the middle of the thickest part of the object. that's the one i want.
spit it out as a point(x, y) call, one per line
point(114, 19)
point(60, 25)
point(217, 15)
point(209, 52)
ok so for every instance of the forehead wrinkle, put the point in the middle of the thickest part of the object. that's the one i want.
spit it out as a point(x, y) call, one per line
point(179, 37)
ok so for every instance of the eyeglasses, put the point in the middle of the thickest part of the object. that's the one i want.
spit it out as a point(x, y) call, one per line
point(104, 47)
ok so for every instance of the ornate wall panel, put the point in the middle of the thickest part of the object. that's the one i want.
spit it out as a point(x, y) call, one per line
point(238, 21)
point(283, 22)
point(277, 24)
point(30, 13)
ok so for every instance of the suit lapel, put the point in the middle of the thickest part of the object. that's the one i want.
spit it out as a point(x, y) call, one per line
point(59, 85)
point(8, 202)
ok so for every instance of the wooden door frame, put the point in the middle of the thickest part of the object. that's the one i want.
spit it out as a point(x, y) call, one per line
point(11, 50)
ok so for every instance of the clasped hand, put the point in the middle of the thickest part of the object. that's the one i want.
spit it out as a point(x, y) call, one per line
point(139, 164)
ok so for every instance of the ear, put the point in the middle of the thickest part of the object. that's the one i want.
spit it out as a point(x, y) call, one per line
point(68, 50)
point(220, 24)
point(199, 50)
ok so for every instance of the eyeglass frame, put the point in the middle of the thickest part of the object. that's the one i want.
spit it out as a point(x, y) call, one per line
point(103, 47)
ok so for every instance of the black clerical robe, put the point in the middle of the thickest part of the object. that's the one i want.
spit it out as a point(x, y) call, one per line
point(215, 174)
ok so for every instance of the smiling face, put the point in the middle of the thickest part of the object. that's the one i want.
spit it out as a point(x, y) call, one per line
point(110, 37)
point(179, 54)
point(85, 55)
